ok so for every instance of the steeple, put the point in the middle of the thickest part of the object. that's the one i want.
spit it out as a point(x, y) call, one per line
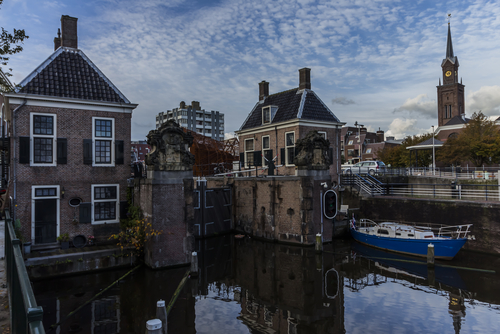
point(449, 45)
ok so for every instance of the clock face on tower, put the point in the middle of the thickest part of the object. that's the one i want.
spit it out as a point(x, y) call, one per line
point(448, 73)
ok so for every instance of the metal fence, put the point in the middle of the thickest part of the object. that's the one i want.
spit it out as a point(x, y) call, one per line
point(473, 173)
point(25, 315)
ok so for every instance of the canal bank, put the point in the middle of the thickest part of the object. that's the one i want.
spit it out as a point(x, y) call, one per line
point(4, 297)
point(485, 216)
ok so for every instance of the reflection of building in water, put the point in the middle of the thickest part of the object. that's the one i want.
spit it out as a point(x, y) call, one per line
point(106, 315)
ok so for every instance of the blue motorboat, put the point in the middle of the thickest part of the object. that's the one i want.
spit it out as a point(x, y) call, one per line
point(411, 239)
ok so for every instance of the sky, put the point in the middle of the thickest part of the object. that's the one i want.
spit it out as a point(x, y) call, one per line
point(376, 62)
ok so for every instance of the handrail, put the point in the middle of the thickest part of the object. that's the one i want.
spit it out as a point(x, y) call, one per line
point(26, 316)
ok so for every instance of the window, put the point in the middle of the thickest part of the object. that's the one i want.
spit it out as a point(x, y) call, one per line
point(105, 203)
point(368, 150)
point(43, 139)
point(323, 134)
point(103, 136)
point(249, 148)
point(266, 150)
point(266, 115)
point(350, 142)
point(289, 147)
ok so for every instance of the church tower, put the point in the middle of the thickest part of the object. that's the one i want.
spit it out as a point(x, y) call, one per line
point(451, 99)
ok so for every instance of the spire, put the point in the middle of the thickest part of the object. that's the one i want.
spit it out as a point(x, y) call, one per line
point(449, 45)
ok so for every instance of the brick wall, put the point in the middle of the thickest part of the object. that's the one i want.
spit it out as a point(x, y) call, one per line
point(75, 177)
point(277, 141)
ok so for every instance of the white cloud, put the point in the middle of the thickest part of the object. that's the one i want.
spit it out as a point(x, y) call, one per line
point(420, 105)
point(401, 128)
point(486, 99)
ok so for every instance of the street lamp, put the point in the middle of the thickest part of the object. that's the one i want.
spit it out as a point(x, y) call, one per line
point(433, 154)
point(359, 126)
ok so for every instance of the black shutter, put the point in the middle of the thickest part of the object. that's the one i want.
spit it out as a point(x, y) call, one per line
point(242, 159)
point(123, 209)
point(282, 153)
point(24, 150)
point(87, 151)
point(119, 152)
point(257, 158)
point(85, 213)
point(62, 151)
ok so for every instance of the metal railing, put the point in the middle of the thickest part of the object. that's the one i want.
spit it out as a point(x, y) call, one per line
point(473, 173)
point(25, 315)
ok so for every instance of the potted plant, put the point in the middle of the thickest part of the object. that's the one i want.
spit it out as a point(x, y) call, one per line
point(64, 240)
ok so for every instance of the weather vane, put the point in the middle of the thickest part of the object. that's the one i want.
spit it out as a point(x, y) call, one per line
point(449, 18)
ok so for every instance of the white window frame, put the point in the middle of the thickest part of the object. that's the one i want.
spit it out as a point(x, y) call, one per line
point(289, 146)
point(116, 200)
point(264, 111)
point(33, 136)
point(324, 134)
point(247, 152)
point(112, 140)
point(33, 198)
point(265, 149)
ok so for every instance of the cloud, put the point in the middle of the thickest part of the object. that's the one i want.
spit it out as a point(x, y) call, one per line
point(420, 105)
point(229, 135)
point(486, 99)
point(401, 128)
point(342, 100)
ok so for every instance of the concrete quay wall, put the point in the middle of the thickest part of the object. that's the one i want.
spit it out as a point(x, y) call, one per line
point(485, 217)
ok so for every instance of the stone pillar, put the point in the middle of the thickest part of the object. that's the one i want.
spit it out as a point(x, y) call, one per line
point(167, 196)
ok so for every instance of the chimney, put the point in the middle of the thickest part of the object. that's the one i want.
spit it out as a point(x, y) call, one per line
point(182, 105)
point(305, 78)
point(57, 40)
point(69, 32)
point(380, 136)
point(195, 105)
point(263, 90)
point(363, 130)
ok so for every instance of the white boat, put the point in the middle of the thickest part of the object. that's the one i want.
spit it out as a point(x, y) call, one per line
point(410, 239)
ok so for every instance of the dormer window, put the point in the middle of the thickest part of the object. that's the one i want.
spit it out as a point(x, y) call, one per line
point(268, 114)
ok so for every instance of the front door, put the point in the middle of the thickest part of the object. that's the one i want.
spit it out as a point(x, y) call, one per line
point(45, 221)
point(45, 214)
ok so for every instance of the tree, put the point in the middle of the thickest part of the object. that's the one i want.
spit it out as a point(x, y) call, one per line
point(9, 45)
point(399, 156)
point(479, 143)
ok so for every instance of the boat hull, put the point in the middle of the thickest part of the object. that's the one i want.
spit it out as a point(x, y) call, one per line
point(444, 249)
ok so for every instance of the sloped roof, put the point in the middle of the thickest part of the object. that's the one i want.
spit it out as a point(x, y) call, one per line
point(292, 104)
point(457, 120)
point(69, 73)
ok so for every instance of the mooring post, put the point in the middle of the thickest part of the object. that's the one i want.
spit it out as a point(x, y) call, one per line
point(319, 244)
point(161, 313)
point(430, 255)
point(194, 264)
point(153, 326)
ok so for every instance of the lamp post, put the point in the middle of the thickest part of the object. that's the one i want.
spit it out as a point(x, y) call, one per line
point(359, 126)
point(433, 154)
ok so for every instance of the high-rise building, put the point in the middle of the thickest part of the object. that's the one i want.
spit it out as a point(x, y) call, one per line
point(192, 117)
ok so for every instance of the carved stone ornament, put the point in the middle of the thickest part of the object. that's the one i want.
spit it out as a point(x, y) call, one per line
point(312, 152)
point(169, 148)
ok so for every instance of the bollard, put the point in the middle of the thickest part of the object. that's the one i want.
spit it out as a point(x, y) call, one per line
point(319, 244)
point(161, 313)
point(153, 326)
point(194, 264)
point(430, 255)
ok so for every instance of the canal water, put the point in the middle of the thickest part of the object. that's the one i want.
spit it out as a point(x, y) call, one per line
point(249, 286)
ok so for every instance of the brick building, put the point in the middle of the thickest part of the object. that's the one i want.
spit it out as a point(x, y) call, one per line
point(277, 121)
point(360, 145)
point(140, 148)
point(69, 127)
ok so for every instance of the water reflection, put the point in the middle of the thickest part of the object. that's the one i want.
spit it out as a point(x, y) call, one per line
point(248, 286)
